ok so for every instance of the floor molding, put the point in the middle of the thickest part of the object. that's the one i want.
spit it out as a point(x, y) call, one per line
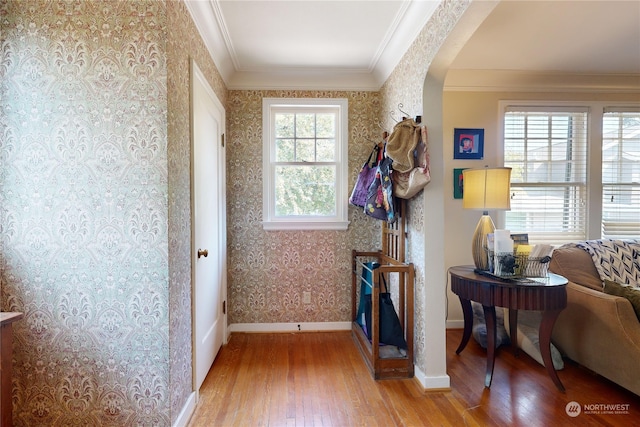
point(187, 411)
point(432, 383)
point(290, 327)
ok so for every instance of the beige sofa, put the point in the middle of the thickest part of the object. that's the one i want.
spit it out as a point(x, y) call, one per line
point(597, 330)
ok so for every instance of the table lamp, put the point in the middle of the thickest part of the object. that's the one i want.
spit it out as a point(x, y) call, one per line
point(485, 189)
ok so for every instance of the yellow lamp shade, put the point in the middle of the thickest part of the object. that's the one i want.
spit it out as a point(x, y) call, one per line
point(486, 188)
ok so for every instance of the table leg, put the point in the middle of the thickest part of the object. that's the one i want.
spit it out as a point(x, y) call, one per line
point(490, 320)
point(546, 327)
point(467, 314)
point(513, 331)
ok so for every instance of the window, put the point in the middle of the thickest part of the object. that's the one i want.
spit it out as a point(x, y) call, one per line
point(547, 151)
point(621, 173)
point(575, 171)
point(305, 164)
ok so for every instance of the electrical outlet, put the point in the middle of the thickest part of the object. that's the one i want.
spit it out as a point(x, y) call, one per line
point(306, 297)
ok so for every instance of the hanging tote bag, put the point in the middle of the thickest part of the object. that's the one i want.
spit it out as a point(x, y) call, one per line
point(391, 332)
point(363, 182)
point(366, 283)
point(380, 196)
point(407, 184)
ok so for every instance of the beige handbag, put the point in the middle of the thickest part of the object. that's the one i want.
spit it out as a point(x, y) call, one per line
point(407, 184)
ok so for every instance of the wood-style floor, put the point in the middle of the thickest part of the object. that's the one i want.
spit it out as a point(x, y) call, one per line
point(320, 379)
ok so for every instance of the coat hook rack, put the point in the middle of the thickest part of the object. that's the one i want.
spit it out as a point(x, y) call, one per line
point(400, 108)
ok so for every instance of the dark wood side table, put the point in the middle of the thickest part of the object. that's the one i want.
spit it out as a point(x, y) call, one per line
point(548, 295)
point(6, 353)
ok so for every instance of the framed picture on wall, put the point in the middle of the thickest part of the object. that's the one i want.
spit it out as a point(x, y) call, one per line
point(458, 184)
point(468, 144)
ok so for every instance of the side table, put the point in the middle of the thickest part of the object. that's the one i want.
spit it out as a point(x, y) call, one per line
point(548, 295)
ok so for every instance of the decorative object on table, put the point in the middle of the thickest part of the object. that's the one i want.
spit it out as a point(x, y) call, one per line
point(510, 258)
point(401, 143)
point(391, 332)
point(485, 189)
point(365, 178)
point(407, 184)
point(458, 183)
point(468, 144)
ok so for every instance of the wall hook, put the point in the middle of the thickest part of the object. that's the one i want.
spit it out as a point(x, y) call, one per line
point(400, 107)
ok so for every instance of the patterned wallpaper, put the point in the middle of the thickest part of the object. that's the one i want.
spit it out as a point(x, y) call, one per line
point(406, 86)
point(95, 208)
point(269, 271)
point(183, 43)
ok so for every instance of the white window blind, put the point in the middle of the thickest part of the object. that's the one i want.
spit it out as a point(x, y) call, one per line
point(621, 173)
point(546, 147)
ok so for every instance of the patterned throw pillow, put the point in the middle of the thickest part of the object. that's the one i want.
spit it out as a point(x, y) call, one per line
point(629, 292)
point(615, 260)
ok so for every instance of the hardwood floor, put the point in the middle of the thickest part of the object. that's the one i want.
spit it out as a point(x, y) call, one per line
point(320, 379)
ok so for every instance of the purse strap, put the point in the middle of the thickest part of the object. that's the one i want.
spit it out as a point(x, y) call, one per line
point(384, 281)
point(375, 149)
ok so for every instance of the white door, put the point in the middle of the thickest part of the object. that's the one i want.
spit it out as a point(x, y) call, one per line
point(209, 225)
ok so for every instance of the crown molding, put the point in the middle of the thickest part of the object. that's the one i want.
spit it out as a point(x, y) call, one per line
point(402, 33)
point(538, 81)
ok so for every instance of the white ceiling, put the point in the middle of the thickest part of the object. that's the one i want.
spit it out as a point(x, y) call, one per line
point(355, 44)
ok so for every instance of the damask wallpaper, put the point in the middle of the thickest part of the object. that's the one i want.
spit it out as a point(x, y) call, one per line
point(269, 270)
point(406, 86)
point(95, 208)
point(183, 44)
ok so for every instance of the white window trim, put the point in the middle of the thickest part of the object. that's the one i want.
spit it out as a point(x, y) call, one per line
point(272, 222)
point(594, 152)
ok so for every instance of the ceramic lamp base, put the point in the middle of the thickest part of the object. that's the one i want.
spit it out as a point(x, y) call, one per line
point(479, 243)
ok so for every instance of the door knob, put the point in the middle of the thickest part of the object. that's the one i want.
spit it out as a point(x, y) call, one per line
point(202, 253)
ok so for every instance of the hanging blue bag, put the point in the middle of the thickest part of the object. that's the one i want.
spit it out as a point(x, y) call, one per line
point(366, 284)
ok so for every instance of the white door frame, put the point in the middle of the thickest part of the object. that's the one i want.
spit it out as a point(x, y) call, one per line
point(222, 243)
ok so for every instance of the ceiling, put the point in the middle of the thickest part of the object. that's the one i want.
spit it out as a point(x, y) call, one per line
point(355, 44)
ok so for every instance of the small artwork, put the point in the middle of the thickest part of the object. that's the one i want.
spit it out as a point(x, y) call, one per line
point(458, 183)
point(468, 144)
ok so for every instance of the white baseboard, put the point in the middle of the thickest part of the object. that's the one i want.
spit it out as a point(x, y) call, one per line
point(432, 383)
point(455, 324)
point(187, 411)
point(290, 327)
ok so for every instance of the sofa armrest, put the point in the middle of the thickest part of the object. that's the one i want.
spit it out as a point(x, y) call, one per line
point(602, 333)
point(617, 311)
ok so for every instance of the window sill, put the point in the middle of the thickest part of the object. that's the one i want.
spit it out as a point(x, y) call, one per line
point(305, 225)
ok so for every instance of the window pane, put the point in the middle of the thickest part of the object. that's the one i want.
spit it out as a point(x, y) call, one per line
point(305, 190)
point(546, 209)
point(305, 150)
point(326, 150)
point(305, 125)
point(326, 125)
point(285, 150)
point(284, 125)
point(621, 175)
point(620, 211)
point(547, 154)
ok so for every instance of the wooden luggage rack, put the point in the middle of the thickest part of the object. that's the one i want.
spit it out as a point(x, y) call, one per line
point(385, 364)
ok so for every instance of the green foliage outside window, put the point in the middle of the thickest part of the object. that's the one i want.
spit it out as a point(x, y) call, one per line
point(305, 164)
